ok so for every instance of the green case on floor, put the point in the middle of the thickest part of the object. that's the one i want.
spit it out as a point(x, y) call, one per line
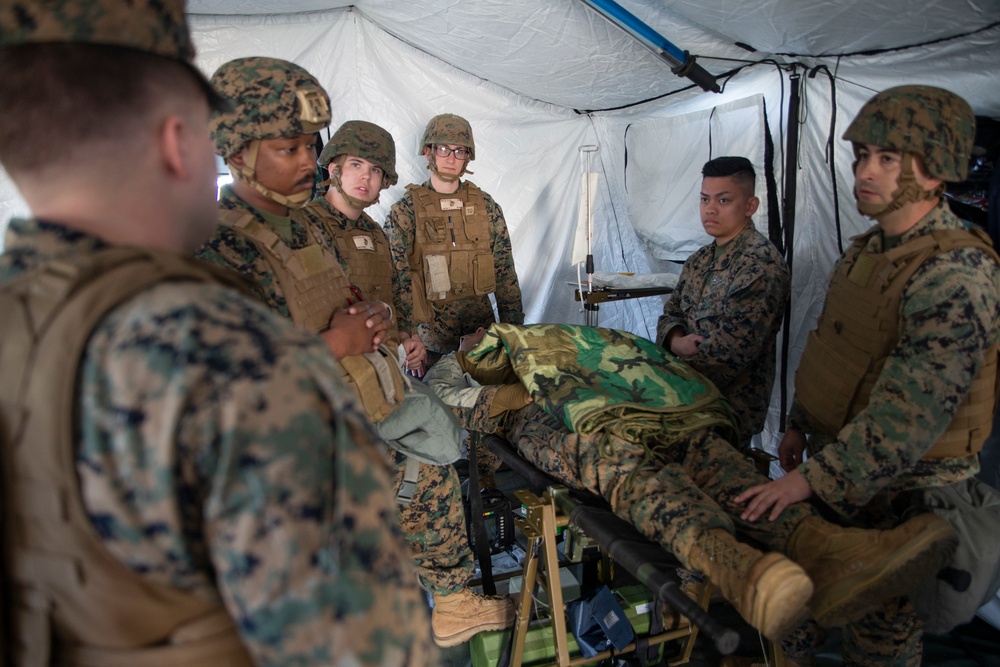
point(540, 645)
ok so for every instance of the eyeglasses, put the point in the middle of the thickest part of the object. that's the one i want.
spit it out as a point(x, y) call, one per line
point(443, 151)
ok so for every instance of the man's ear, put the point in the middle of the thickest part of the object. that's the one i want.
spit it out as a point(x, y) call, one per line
point(171, 141)
point(238, 160)
point(752, 205)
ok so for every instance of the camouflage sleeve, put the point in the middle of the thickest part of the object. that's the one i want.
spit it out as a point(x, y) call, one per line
point(949, 313)
point(508, 290)
point(230, 250)
point(468, 400)
point(754, 304)
point(222, 454)
point(399, 227)
point(672, 314)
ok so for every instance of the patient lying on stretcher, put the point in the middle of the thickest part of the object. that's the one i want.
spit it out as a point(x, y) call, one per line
point(616, 415)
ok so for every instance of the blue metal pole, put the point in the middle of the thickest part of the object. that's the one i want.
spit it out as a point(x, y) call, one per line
point(681, 62)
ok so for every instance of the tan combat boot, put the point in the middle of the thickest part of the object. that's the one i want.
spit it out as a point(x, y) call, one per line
point(458, 616)
point(768, 590)
point(855, 570)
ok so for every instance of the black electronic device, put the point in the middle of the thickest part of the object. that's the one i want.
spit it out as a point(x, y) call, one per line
point(498, 517)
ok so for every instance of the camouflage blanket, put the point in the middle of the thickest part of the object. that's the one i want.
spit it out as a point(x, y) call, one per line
point(593, 379)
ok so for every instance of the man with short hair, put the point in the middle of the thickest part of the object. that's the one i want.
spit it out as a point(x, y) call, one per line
point(185, 478)
point(451, 247)
point(724, 315)
point(292, 259)
point(897, 383)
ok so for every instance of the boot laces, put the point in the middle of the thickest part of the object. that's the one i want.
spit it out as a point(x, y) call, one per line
point(726, 552)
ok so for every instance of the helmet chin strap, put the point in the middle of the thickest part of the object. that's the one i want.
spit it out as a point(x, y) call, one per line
point(248, 172)
point(353, 201)
point(907, 191)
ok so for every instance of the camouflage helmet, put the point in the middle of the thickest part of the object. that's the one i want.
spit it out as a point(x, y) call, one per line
point(152, 26)
point(271, 98)
point(367, 141)
point(932, 123)
point(447, 128)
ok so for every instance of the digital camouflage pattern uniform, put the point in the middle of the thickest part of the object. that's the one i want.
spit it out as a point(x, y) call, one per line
point(456, 318)
point(189, 395)
point(950, 314)
point(672, 492)
point(434, 524)
point(320, 212)
point(948, 317)
point(734, 296)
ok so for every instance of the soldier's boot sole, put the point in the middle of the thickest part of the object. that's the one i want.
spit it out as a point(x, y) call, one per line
point(776, 595)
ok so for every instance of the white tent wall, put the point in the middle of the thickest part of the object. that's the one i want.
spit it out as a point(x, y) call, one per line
point(492, 61)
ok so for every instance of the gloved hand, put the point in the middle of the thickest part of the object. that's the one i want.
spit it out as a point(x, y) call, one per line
point(483, 376)
point(509, 397)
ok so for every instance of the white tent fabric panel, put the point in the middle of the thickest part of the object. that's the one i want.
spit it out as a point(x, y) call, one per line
point(663, 180)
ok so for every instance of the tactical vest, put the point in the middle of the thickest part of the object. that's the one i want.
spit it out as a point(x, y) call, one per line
point(369, 262)
point(452, 257)
point(315, 285)
point(859, 329)
point(71, 602)
point(368, 259)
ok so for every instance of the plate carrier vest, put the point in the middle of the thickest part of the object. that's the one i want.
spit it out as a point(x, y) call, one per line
point(71, 602)
point(315, 285)
point(859, 329)
point(452, 256)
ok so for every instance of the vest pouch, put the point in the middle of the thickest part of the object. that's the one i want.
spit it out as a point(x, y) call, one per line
point(462, 274)
point(484, 277)
point(438, 277)
point(423, 427)
point(421, 307)
point(826, 384)
point(437, 230)
point(377, 380)
point(33, 641)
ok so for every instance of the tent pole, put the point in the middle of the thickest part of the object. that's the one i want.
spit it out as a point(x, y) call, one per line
point(681, 62)
point(788, 216)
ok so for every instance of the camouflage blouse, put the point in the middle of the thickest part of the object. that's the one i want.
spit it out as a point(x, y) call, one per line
point(735, 297)
point(463, 316)
point(220, 453)
point(949, 316)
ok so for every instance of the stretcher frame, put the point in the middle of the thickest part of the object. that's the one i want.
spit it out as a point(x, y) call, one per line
point(549, 506)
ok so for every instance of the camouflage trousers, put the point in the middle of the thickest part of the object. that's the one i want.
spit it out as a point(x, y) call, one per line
point(434, 526)
point(672, 500)
point(892, 635)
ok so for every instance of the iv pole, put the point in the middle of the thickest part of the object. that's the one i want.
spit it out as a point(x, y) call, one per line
point(590, 310)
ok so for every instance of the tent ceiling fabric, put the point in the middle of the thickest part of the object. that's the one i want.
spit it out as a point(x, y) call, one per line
point(519, 70)
point(562, 53)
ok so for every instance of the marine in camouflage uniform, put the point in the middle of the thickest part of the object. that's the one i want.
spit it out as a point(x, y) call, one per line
point(187, 394)
point(433, 521)
point(677, 484)
point(934, 377)
point(731, 294)
point(367, 153)
point(450, 320)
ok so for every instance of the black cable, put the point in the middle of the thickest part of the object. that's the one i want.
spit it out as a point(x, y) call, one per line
point(892, 49)
point(831, 149)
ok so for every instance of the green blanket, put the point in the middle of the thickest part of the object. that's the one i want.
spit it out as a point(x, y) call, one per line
point(595, 379)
